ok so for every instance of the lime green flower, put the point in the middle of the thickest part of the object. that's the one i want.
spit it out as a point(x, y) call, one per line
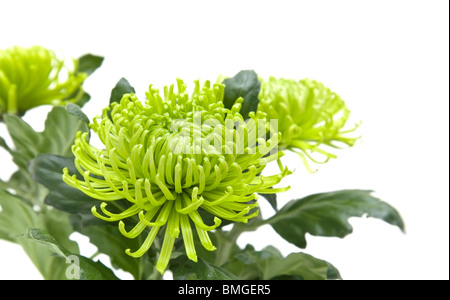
point(31, 77)
point(309, 116)
point(173, 158)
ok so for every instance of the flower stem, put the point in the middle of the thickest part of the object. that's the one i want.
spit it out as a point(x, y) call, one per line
point(226, 241)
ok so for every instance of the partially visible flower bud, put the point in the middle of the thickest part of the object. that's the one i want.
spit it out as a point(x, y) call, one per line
point(310, 116)
point(35, 76)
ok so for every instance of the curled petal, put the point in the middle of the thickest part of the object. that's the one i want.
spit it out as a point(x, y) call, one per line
point(145, 245)
point(310, 116)
point(111, 217)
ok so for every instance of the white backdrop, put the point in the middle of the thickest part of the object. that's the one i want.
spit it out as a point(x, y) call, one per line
point(388, 59)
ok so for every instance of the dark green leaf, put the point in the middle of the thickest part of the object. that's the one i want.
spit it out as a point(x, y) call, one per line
point(76, 111)
point(185, 269)
point(85, 97)
point(327, 214)
point(88, 269)
point(245, 265)
point(122, 87)
point(208, 218)
point(47, 169)
point(88, 63)
point(333, 273)
point(270, 264)
point(298, 264)
point(78, 97)
point(272, 199)
point(244, 84)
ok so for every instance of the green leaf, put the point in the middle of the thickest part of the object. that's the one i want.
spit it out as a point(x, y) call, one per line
point(26, 140)
point(270, 264)
point(87, 268)
point(25, 187)
point(76, 111)
point(272, 199)
point(327, 214)
point(61, 128)
point(88, 63)
point(245, 264)
point(298, 264)
point(57, 224)
point(79, 97)
point(111, 242)
point(24, 208)
point(47, 169)
point(122, 87)
point(60, 131)
point(185, 269)
point(4, 145)
point(244, 84)
point(333, 273)
point(16, 216)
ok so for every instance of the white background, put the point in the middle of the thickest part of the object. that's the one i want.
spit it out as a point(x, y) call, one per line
point(388, 59)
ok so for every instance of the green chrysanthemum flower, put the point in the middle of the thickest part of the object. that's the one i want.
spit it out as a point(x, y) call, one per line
point(34, 76)
point(309, 116)
point(172, 158)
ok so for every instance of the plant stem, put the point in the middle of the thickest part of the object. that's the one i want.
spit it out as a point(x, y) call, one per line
point(226, 241)
point(225, 244)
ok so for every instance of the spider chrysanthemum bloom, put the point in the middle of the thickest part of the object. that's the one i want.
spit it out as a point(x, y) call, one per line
point(171, 158)
point(35, 76)
point(309, 115)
